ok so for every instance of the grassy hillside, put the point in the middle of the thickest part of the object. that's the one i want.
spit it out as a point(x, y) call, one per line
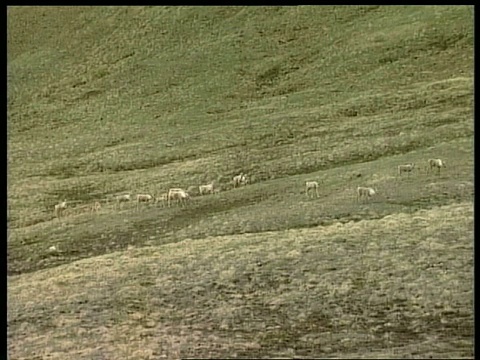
point(110, 100)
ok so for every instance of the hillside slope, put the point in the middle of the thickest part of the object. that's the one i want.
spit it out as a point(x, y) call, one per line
point(111, 100)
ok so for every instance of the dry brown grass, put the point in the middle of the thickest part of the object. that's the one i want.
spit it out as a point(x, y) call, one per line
point(380, 287)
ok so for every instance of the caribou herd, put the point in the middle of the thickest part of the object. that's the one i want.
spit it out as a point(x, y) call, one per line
point(172, 196)
point(181, 196)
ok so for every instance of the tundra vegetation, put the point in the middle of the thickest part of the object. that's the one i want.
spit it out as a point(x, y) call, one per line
point(104, 101)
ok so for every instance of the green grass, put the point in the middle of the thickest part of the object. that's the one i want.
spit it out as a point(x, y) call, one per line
point(103, 101)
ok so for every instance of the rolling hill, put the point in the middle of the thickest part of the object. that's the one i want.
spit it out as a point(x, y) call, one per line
point(111, 100)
